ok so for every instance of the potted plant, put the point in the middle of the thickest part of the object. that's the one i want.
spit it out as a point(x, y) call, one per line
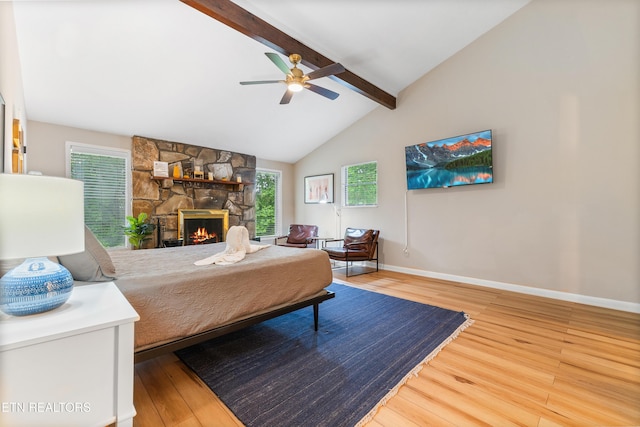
point(138, 229)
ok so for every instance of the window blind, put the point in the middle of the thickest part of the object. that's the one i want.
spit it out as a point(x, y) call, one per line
point(106, 180)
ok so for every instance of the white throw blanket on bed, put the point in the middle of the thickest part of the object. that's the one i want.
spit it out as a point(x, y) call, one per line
point(237, 247)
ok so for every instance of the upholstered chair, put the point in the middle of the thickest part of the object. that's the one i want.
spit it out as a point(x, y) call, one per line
point(359, 244)
point(300, 236)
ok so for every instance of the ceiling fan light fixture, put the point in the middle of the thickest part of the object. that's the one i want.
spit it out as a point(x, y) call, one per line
point(295, 87)
point(296, 80)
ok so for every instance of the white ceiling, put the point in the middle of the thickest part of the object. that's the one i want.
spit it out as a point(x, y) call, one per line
point(161, 69)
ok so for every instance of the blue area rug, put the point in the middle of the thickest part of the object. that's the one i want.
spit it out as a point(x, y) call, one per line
point(282, 373)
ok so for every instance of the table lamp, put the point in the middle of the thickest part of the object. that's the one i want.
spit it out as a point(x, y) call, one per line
point(40, 216)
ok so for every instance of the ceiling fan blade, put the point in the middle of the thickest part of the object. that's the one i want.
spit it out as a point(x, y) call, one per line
point(261, 82)
point(286, 97)
point(322, 91)
point(326, 71)
point(278, 61)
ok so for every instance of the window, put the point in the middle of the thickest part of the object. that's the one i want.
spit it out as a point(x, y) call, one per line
point(268, 202)
point(107, 177)
point(360, 184)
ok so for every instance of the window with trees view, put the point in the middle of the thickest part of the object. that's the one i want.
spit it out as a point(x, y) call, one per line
point(268, 202)
point(360, 184)
point(106, 176)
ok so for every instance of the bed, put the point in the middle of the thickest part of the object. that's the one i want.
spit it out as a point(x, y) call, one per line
point(181, 304)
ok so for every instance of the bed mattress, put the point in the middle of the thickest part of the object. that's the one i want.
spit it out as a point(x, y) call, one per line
point(177, 299)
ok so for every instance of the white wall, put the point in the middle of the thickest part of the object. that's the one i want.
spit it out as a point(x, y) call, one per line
point(558, 84)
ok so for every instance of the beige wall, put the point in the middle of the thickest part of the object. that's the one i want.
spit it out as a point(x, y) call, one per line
point(10, 78)
point(47, 145)
point(47, 155)
point(288, 195)
point(558, 84)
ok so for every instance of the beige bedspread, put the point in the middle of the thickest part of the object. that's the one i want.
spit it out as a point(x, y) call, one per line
point(176, 298)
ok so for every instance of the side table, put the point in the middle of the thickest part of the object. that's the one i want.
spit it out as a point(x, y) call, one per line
point(321, 241)
point(71, 366)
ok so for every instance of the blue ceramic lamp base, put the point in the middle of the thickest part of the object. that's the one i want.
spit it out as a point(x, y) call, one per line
point(35, 286)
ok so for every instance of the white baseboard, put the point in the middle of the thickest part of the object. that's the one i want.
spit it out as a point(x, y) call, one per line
point(547, 293)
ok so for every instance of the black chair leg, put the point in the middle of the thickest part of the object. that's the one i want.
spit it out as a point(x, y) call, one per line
point(346, 257)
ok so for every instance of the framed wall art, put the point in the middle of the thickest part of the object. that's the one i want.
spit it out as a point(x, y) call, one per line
point(318, 188)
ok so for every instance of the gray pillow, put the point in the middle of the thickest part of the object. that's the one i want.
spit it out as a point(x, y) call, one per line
point(92, 265)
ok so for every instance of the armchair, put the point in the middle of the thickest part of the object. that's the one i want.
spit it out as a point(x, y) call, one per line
point(300, 236)
point(359, 245)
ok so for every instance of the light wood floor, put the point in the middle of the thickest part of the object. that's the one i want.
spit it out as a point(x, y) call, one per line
point(525, 361)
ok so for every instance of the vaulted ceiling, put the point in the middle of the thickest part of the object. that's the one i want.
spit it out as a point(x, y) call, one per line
point(163, 69)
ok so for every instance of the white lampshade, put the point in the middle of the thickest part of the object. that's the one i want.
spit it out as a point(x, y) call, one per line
point(40, 216)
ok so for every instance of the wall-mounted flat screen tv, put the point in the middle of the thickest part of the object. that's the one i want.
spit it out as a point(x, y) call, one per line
point(459, 160)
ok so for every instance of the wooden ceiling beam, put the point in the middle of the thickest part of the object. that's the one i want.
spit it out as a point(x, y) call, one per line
point(245, 22)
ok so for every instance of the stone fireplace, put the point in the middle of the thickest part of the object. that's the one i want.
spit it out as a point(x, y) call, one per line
point(231, 190)
point(202, 226)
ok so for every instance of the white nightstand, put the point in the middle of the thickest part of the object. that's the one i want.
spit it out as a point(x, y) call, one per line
point(72, 366)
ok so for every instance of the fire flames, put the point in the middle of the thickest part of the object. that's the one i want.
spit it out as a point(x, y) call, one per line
point(201, 236)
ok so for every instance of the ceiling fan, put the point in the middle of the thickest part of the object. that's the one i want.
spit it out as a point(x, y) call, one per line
point(296, 80)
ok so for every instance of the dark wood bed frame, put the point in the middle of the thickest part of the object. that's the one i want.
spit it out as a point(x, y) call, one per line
point(180, 343)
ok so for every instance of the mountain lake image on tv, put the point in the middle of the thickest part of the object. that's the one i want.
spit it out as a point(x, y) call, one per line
point(459, 160)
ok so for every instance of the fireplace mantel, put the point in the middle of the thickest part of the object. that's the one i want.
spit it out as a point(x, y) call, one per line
point(237, 185)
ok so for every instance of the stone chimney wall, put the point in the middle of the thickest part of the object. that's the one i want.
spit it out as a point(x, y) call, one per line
point(161, 199)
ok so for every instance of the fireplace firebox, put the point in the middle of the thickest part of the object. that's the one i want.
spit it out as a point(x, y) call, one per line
point(202, 226)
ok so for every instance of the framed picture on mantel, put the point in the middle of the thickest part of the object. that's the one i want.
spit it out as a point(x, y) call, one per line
point(318, 188)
